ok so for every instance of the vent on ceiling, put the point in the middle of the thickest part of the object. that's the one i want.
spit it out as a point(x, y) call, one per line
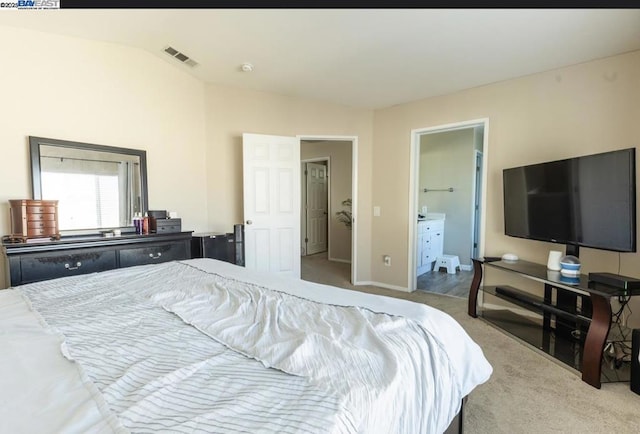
point(183, 58)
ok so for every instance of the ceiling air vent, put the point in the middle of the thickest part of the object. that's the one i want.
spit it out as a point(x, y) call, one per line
point(183, 58)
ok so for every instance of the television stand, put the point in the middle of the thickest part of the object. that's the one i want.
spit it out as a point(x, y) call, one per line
point(570, 321)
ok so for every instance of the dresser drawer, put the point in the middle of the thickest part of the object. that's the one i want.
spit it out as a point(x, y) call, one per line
point(154, 254)
point(430, 225)
point(428, 258)
point(167, 229)
point(42, 232)
point(42, 217)
point(434, 225)
point(52, 265)
point(41, 210)
point(42, 224)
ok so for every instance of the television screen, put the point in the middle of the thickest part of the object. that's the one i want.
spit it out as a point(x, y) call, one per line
point(586, 201)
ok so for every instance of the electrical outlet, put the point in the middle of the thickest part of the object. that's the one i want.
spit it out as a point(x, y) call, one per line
point(387, 260)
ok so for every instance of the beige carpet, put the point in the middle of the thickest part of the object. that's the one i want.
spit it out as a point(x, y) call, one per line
point(527, 393)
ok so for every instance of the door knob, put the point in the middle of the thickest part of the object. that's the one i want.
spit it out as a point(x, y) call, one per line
point(249, 222)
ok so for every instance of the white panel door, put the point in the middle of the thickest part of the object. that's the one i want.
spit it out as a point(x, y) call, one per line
point(271, 176)
point(316, 208)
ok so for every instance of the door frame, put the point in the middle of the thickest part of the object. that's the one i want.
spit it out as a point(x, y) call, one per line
point(354, 192)
point(414, 172)
point(477, 195)
point(304, 220)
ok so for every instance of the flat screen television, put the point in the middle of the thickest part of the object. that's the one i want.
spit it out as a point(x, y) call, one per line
point(587, 201)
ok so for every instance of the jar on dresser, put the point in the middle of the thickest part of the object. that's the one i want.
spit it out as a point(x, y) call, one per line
point(34, 218)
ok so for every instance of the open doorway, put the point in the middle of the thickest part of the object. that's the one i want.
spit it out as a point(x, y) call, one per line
point(446, 210)
point(327, 198)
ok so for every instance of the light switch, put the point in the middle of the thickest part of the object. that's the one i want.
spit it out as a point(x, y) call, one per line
point(376, 211)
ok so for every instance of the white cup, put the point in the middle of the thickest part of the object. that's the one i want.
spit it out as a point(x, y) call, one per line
point(553, 263)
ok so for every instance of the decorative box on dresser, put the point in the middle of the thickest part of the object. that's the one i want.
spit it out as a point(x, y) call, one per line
point(34, 218)
point(33, 262)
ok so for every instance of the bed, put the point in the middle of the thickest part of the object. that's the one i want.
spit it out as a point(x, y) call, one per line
point(206, 346)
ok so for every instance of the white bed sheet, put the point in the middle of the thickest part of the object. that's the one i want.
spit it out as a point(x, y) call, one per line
point(466, 358)
point(42, 391)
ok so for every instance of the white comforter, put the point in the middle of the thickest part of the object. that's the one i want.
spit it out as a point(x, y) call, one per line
point(404, 371)
point(41, 391)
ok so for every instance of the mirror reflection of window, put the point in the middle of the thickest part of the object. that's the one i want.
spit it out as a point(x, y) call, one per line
point(94, 189)
point(85, 200)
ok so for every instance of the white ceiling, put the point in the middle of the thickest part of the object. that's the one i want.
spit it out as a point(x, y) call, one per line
point(368, 58)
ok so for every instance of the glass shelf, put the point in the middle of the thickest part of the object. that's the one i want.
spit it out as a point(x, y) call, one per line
point(564, 344)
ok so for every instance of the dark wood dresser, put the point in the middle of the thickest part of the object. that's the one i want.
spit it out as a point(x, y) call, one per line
point(34, 218)
point(33, 262)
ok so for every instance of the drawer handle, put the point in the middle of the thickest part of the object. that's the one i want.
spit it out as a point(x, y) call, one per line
point(69, 267)
point(156, 256)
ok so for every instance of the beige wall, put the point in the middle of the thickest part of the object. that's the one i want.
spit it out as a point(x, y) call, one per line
point(581, 109)
point(447, 160)
point(339, 153)
point(80, 90)
point(231, 112)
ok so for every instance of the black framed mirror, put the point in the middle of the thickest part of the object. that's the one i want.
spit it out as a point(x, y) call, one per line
point(98, 187)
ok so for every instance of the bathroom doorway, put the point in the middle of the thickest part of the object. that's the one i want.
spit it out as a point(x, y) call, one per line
point(448, 191)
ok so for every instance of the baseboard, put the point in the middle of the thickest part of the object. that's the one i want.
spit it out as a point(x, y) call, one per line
point(382, 285)
point(466, 268)
point(344, 261)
